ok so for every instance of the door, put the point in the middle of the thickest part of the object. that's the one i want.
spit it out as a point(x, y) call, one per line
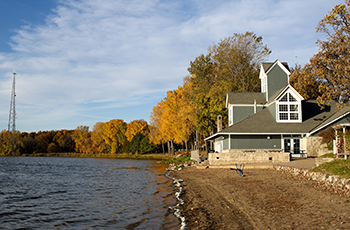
point(292, 146)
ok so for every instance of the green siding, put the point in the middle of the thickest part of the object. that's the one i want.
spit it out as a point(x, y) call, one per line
point(225, 142)
point(256, 142)
point(272, 109)
point(276, 80)
point(242, 112)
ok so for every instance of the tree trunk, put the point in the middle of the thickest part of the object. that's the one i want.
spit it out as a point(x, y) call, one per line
point(169, 150)
point(172, 148)
point(163, 148)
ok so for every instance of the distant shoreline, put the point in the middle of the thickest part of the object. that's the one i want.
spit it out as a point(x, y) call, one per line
point(160, 157)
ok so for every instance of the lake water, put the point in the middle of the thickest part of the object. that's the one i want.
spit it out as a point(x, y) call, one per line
point(84, 193)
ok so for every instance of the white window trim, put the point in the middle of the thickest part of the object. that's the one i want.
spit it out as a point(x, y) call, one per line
point(298, 102)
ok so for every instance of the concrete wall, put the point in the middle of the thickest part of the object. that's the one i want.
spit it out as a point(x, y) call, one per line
point(314, 146)
point(233, 156)
point(195, 155)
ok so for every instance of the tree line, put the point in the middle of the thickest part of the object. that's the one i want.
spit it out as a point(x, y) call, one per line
point(115, 136)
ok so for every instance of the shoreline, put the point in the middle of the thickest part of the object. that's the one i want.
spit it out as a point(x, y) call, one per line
point(262, 199)
point(160, 157)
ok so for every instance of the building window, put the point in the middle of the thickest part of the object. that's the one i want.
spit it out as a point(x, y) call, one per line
point(288, 108)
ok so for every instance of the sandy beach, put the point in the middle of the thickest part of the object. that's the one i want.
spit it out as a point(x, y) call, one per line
point(262, 199)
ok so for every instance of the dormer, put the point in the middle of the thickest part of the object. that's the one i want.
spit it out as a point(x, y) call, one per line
point(273, 76)
point(285, 105)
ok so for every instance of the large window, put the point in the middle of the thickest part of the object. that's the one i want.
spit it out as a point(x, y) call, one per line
point(288, 108)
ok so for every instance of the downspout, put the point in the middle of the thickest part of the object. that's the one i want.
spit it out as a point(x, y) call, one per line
point(254, 106)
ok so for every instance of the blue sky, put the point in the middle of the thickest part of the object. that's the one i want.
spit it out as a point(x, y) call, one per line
point(79, 62)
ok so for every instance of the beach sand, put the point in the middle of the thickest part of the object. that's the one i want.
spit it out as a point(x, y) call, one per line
point(262, 199)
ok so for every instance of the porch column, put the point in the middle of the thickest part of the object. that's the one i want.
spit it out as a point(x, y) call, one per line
point(335, 143)
point(229, 142)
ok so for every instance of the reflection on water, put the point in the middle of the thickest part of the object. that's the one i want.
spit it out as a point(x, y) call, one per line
point(84, 193)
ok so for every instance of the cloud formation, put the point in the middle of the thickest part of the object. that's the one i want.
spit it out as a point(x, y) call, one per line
point(99, 60)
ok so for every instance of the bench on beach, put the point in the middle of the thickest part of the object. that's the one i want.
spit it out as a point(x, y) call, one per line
point(239, 169)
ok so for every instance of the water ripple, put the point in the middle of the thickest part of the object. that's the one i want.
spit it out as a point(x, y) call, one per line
point(84, 193)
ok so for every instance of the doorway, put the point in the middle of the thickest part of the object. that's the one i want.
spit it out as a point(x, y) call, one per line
point(292, 146)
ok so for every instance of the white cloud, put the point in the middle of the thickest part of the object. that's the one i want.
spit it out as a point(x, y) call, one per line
point(93, 55)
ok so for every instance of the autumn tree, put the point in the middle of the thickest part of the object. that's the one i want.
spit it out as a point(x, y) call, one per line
point(185, 115)
point(10, 143)
point(42, 141)
point(232, 65)
point(28, 144)
point(156, 135)
point(64, 141)
point(203, 82)
point(136, 126)
point(81, 136)
point(332, 62)
point(305, 83)
point(98, 143)
point(114, 134)
point(237, 61)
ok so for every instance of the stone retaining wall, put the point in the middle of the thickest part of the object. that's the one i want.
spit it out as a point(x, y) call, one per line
point(234, 156)
point(336, 184)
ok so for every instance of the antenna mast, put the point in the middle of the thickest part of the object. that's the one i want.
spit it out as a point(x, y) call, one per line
point(12, 114)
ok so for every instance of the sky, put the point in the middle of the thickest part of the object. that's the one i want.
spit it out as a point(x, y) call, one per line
point(79, 62)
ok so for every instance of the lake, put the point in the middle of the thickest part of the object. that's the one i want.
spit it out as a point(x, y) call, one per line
point(85, 193)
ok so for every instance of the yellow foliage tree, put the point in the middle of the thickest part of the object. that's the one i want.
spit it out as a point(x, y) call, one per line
point(98, 143)
point(114, 134)
point(136, 126)
point(174, 118)
point(156, 136)
point(81, 136)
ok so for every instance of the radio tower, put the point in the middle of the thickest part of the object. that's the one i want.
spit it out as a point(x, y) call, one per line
point(12, 114)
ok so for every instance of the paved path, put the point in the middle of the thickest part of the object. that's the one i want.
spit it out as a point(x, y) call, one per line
point(307, 163)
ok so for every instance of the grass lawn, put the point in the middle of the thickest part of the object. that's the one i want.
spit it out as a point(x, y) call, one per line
point(337, 167)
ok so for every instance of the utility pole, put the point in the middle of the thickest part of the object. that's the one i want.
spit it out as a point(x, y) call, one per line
point(12, 115)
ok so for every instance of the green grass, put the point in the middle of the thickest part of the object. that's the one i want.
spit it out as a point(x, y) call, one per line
point(176, 160)
point(328, 155)
point(337, 167)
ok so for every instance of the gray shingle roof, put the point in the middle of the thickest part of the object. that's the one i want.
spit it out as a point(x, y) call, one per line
point(268, 65)
point(263, 122)
point(246, 98)
point(336, 115)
